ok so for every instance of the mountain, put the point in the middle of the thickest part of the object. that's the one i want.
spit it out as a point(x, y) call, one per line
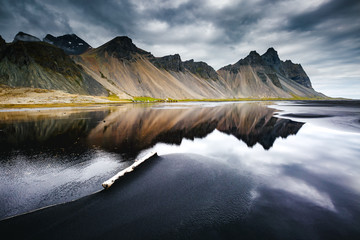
point(120, 48)
point(68, 63)
point(251, 77)
point(120, 64)
point(41, 65)
point(136, 72)
point(267, 76)
point(288, 69)
point(70, 43)
point(20, 36)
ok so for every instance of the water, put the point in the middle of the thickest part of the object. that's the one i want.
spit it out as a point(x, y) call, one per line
point(282, 170)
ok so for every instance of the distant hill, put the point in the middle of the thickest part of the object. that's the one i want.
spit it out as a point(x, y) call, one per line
point(70, 43)
point(120, 67)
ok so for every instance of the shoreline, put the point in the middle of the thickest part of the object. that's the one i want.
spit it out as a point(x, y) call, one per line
point(42, 98)
point(125, 101)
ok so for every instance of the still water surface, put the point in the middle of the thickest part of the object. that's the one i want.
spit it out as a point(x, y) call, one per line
point(295, 165)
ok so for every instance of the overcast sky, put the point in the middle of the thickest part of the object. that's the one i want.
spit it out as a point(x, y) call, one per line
point(322, 35)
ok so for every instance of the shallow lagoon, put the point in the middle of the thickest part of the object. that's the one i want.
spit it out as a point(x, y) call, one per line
point(258, 170)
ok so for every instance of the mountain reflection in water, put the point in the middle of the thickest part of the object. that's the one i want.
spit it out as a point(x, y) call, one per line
point(130, 129)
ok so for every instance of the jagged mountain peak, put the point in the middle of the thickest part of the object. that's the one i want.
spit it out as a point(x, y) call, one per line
point(21, 36)
point(202, 69)
point(70, 43)
point(121, 43)
point(169, 62)
point(122, 40)
point(271, 50)
point(253, 53)
point(122, 47)
point(271, 56)
point(252, 59)
point(49, 36)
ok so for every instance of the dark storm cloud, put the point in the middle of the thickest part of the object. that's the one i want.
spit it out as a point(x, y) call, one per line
point(336, 20)
point(115, 16)
point(344, 10)
point(324, 35)
point(30, 16)
point(60, 17)
point(235, 20)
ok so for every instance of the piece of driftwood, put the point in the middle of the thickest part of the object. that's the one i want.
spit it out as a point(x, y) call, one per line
point(137, 162)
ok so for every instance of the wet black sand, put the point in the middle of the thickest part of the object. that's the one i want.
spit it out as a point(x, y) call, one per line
point(181, 196)
point(159, 199)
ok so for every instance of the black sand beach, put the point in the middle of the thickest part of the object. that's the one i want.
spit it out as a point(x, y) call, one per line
point(179, 197)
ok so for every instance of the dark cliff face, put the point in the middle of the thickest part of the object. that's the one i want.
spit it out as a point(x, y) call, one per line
point(70, 43)
point(174, 63)
point(201, 69)
point(169, 63)
point(122, 48)
point(287, 69)
point(41, 65)
point(296, 73)
point(2, 42)
point(252, 59)
point(271, 58)
point(21, 36)
point(50, 57)
point(262, 69)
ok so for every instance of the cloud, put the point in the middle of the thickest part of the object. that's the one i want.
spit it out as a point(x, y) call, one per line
point(31, 17)
point(322, 35)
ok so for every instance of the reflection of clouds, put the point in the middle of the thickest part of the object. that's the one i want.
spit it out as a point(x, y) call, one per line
point(341, 117)
point(330, 156)
point(27, 185)
point(303, 190)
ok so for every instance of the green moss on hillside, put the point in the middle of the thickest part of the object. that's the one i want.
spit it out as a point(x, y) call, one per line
point(151, 99)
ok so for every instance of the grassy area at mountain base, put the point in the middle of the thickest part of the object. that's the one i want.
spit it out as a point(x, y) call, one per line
point(34, 97)
point(253, 99)
point(151, 99)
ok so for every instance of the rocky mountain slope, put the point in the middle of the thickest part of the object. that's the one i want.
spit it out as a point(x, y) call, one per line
point(120, 67)
point(41, 65)
point(267, 76)
point(119, 64)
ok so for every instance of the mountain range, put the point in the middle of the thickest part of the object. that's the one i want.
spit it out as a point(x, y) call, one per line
point(119, 67)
